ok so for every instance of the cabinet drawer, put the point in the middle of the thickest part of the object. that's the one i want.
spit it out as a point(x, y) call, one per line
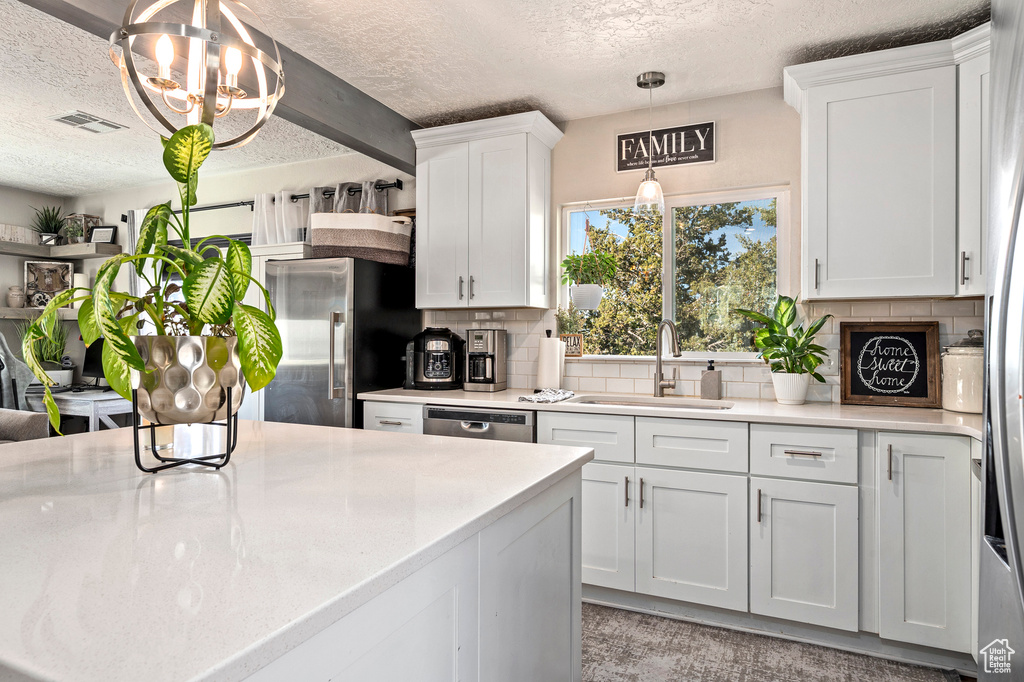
point(611, 436)
point(691, 444)
point(816, 454)
point(397, 417)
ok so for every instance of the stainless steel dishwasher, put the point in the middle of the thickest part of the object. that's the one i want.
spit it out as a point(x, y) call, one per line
point(511, 425)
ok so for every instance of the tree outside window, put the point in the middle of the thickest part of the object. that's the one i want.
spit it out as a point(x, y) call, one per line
point(722, 256)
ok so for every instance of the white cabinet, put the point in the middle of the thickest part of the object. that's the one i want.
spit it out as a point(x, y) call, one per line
point(609, 507)
point(393, 417)
point(879, 165)
point(252, 403)
point(925, 532)
point(691, 536)
point(610, 435)
point(692, 443)
point(972, 55)
point(803, 552)
point(483, 202)
point(812, 453)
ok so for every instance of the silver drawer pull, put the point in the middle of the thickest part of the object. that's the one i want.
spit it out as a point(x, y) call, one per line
point(476, 426)
point(807, 453)
point(386, 422)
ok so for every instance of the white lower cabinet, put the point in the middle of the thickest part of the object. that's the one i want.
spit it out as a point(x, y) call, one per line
point(608, 530)
point(803, 552)
point(394, 417)
point(925, 533)
point(691, 536)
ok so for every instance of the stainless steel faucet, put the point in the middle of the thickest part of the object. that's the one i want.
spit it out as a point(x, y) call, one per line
point(660, 383)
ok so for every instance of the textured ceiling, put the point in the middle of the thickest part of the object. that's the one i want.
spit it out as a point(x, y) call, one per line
point(47, 68)
point(438, 62)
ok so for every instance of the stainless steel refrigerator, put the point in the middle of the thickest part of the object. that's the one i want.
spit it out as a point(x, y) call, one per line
point(344, 324)
point(1001, 574)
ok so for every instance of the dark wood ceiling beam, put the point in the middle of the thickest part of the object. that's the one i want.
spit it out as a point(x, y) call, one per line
point(315, 99)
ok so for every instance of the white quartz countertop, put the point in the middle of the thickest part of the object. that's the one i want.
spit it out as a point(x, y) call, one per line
point(755, 411)
point(107, 573)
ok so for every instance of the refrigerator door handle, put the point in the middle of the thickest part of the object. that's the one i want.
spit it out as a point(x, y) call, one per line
point(333, 390)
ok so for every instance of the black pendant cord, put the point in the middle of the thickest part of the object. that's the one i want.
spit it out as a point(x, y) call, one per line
point(215, 461)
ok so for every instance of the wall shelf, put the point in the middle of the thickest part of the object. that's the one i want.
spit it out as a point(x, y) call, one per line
point(65, 252)
point(33, 313)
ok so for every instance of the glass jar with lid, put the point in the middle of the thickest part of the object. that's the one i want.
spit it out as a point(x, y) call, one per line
point(963, 372)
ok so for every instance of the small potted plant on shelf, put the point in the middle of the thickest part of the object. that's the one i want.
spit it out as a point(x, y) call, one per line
point(791, 354)
point(51, 352)
point(73, 231)
point(588, 273)
point(48, 222)
point(205, 340)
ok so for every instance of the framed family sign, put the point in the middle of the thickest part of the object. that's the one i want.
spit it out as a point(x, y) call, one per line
point(890, 363)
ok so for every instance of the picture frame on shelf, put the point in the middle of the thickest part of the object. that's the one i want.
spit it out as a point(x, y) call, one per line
point(103, 234)
point(46, 279)
point(890, 363)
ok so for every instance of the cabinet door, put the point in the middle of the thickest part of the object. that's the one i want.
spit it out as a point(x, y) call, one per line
point(611, 435)
point(691, 537)
point(974, 141)
point(880, 183)
point(924, 534)
point(804, 552)
point(498, 253)
point(442, 202)
point(608, 531)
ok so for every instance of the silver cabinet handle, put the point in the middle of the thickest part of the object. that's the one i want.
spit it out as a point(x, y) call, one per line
point(806, 453)
point(480, 427)
point(627, 490)
point(472, 281)
point(641, 493)
point(461, 280)
point(890, 461)
point(963, 267)
point(817, 277)
point(386, 422)
point(759, 505)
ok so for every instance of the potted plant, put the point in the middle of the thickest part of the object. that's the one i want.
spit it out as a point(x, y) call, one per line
point(51, 352)
point(74, 232)
point(205, 341)
point(588, 272)
point(791, 354)
point(48, 222)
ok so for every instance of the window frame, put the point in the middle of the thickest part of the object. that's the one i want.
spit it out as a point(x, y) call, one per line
point(781, 193)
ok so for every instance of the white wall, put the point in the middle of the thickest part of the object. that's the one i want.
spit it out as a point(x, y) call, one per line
point(16, 205)
point(243, 185)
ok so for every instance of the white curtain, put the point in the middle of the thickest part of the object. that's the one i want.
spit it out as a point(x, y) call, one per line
point(276, 219)
point(136, 285)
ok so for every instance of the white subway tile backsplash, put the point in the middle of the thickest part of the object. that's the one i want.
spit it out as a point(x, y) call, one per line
point(911, 308)
point(953, 307)
point(730, 373)
point(740, 389)
point(606, 369)
point(616, 385)
point(634, 371)
point(962, 325)
point(870, 309)
point(756, 374)
point(579, 369)
point(592, 384)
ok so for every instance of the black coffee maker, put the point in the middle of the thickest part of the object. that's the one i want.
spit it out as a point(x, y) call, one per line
point(435, 360)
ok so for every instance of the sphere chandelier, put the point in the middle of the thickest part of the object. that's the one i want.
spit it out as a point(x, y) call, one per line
point(221, 43)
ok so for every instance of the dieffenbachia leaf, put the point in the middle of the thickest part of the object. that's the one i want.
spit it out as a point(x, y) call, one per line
point(105, 314)
point(239, 260)
point(185, 152)
point(259, 345)
point(115, 370)
point(152, 232)
point(209, 292)
point(185, 258)
point(187, 190)
point(87, 322)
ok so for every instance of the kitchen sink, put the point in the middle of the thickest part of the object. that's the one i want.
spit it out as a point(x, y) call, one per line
point(644, 401)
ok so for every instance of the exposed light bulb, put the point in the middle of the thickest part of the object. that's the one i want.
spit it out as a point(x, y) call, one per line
point(164, 55)
point(233, 61)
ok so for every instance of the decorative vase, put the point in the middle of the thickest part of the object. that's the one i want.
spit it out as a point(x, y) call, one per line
point(15, 297)
point(790, 389)
point(187, 378)
point(586, 296)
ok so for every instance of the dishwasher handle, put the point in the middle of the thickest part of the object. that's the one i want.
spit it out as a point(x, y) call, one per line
point(479, 427)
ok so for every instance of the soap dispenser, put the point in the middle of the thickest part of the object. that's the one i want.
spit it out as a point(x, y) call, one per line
point(711, 383)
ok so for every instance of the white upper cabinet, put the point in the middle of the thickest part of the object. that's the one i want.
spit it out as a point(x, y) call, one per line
point(972, 56)
point(879, 165)
point(483, 198)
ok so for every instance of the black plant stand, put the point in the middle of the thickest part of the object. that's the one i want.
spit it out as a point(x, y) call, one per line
point(214, 461)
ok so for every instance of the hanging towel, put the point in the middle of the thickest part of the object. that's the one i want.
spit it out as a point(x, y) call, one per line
point(548, 395)
point(345, 202)
point(264, 220)
point(290, 218)
point(372, 201)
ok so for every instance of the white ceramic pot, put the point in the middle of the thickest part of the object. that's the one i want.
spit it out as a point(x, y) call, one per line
point(586, 296)
point(63, 377)
point(790, 389)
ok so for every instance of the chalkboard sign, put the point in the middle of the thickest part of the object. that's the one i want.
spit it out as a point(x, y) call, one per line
point(890, 363)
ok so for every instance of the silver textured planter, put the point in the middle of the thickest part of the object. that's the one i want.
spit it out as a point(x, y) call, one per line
point(188, 378)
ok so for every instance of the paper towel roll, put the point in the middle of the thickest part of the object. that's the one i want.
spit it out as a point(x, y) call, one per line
point(550, 363)
point(79, 280)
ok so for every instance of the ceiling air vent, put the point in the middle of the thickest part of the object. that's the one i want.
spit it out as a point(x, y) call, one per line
point(84, 121)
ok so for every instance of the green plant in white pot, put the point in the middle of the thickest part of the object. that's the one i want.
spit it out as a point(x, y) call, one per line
point(588, 273)
point(205, 340)
point(791, 354)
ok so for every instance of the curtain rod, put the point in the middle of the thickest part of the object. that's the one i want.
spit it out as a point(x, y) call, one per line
point(397, 184)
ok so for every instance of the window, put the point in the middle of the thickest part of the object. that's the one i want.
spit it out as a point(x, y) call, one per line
point(721, 254)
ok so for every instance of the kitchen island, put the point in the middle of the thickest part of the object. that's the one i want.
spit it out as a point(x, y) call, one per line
point(317, 553)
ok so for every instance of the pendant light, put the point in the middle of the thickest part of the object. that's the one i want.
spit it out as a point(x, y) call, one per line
point(649, 196)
